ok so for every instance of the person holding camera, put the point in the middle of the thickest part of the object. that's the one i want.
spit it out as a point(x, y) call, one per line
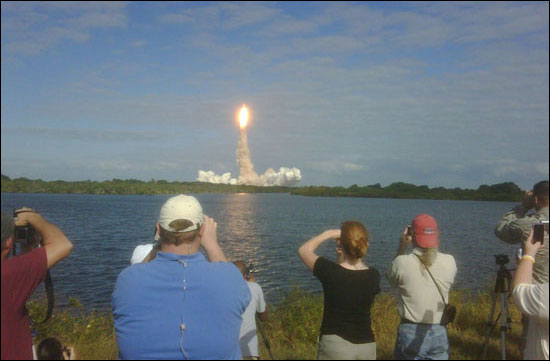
point(423, 279)
point(516, 225)
point(248, 337)
point(349, 288)
point(23, 273)
point(179, 305)
point(532, 300)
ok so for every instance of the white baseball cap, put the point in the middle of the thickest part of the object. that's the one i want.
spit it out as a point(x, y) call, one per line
point(140, 252)
point(181, 207)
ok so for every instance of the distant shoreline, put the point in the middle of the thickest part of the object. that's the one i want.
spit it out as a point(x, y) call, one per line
point(503, 192)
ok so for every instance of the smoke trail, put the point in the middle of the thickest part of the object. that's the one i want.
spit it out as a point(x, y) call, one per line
point(285, 177)
point(246, 168)
point(247, 175)
point(211, 177)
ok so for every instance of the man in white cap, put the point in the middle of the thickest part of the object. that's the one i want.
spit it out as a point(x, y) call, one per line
point(179, 305)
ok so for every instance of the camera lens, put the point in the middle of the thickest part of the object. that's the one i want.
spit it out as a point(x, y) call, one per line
point(20, 233)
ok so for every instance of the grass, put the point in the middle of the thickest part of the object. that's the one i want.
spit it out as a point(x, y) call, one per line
point(293, 327)
point(92, 334)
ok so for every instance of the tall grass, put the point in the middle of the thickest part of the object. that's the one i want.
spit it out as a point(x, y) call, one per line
point(92, 334)
point(293, 327)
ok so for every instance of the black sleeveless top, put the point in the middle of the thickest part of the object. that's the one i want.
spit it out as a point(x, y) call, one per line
point(348, 297)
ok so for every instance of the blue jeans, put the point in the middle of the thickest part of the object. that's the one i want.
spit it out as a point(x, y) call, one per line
point(421, 342)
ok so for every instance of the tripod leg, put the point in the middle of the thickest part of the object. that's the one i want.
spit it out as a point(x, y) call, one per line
point(503, 322)
point(508, 318)
point(507, 308)
point(490, 324)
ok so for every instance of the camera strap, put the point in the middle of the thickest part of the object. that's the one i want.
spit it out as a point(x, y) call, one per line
point(48, 285)
point(433, 279)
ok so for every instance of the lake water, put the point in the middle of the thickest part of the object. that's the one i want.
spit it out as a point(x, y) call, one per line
point(263, 229)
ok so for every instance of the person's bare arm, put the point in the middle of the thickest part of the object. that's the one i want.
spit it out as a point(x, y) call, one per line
point(307, 250)
point(209, 241)
point(523, 274)
point(54, 241)
point(404, 241)
point(263, 315)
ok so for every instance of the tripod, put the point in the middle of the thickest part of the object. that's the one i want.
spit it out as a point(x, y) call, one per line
point(502, 292)
point(266, 341)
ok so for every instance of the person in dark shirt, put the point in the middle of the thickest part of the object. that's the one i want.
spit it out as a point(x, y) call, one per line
point(349, 288)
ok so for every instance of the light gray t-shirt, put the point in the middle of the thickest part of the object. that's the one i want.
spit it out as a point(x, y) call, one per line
point(419, 300)
point(248, 338)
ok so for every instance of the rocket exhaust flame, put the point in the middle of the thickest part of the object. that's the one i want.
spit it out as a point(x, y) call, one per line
point(243, 117)
point(247, 175)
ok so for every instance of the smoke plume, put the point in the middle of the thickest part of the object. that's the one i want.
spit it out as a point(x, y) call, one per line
point(284, 177)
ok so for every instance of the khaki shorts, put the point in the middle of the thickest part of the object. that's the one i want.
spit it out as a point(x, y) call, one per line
point(333, 347)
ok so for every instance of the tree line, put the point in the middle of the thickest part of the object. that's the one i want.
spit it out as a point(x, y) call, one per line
point(507, 191)
point(127, 186)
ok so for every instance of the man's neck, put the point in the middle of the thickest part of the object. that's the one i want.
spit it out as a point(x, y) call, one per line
point(184, 249)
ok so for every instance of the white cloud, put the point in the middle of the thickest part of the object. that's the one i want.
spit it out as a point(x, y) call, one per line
point(114, 165)
point(542, 168)
point(31, 28)
point(335, 166)
point(227, 15)
point(138, 43)
point(175, 19)
point(93, 135)
point(288, 26)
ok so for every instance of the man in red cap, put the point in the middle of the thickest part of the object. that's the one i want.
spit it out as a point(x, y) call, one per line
point(421, 299)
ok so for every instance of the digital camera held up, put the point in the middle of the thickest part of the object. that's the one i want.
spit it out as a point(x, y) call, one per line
point(24, 234)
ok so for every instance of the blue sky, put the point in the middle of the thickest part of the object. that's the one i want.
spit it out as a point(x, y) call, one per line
point(442, 94)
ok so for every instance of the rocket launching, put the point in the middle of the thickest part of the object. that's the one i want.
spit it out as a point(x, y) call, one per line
point(246, 168)
point(247, 175)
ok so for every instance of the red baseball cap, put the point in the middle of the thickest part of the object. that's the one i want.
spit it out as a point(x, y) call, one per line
point(425, 230)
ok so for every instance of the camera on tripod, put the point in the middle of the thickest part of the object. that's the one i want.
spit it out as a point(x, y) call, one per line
point(501, 259)
point(502, 292)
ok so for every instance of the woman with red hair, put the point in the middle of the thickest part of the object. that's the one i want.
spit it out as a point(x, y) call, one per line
point(349, 287)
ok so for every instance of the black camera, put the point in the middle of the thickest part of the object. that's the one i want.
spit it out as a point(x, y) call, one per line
point(24, 234)
point(501, 259)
